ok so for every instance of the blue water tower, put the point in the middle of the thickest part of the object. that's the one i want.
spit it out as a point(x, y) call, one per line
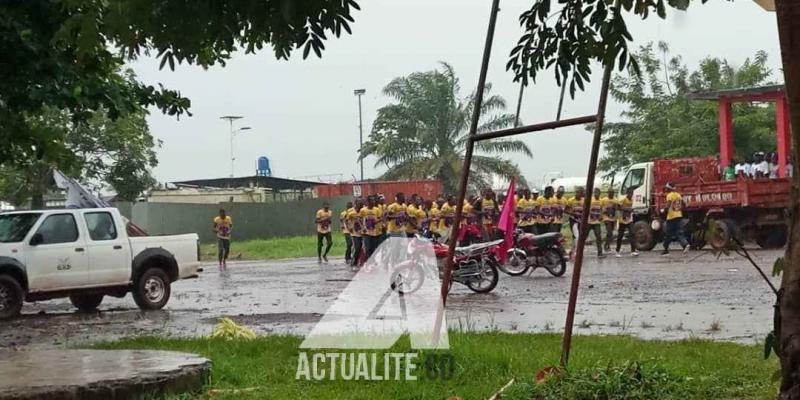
point(263, 167)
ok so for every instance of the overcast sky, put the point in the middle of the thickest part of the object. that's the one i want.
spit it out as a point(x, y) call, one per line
point(304, 116)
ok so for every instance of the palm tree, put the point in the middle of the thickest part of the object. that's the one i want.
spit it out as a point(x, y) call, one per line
point(423, 134)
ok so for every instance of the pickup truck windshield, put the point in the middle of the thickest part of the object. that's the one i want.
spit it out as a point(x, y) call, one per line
point(14, 227)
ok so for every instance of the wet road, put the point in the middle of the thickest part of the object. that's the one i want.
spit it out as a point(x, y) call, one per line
point(649, 296)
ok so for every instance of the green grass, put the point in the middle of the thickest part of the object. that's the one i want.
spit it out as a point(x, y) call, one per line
point(277, 248)
point(600, 369)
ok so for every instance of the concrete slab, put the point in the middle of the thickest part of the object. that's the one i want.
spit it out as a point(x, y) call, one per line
point(98, 374)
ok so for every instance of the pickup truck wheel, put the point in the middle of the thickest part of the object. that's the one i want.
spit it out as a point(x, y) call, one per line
point(86, 302)
point(151, 290)
point(643, 235)
point(772, 237)
point(11, 297)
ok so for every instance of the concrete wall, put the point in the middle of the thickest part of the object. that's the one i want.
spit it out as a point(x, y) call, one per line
point(251, 220)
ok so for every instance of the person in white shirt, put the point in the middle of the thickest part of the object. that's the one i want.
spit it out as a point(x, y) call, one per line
point(739, 169)
point(748, 167)
point(773, 165)
point(761, 166)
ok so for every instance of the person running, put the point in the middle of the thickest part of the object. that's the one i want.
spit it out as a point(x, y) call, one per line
point(223, 224)
point(625, 206)
point(447, 217)
point(674, 229)
point(357, 231)
point(525, 212)
point(575, 211)
point(609, 204)
point(545, 205)
point(324, 231)
point(414, 218)
point(346, 229)
point(396, 216)
point(489, 212)
point(371, 214)
point(596, 221)
point(559, 207)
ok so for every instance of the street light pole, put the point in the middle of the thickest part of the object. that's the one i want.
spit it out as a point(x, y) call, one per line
point(359, 93)
point(230, 119)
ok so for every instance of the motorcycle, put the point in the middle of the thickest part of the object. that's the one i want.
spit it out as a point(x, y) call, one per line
point(536, 251)
point(474, 266)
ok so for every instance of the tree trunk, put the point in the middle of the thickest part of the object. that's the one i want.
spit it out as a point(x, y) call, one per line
point(787, 314)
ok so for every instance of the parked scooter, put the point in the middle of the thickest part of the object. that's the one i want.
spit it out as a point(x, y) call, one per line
point(536, 251)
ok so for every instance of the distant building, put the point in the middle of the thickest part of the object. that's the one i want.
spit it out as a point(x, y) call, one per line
point(250, 189)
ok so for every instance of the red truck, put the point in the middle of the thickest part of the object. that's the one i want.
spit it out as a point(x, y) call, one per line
point(747, 208)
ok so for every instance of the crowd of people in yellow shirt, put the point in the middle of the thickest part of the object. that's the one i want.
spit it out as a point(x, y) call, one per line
point(365, 223)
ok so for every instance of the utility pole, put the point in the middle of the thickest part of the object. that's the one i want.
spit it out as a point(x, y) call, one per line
point(233, 132)
point(359, 93)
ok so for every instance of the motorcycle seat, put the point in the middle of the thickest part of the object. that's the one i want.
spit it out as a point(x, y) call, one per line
point(546, 239)
point(477, 246)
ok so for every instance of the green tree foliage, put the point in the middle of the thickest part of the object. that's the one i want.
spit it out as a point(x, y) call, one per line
point(66, 54)
point(661, 122)
point(423, 133)
point(99, 151)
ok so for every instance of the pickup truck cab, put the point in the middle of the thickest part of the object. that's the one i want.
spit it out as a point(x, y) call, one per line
point(86, 254)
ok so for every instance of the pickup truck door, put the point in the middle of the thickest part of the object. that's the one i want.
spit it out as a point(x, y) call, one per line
point(56, 254)
point(108, 249)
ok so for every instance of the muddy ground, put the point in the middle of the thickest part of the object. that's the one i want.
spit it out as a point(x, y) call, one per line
point(697, 295)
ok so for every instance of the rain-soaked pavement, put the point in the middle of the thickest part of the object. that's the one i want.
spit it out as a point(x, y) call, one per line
point(653, 297)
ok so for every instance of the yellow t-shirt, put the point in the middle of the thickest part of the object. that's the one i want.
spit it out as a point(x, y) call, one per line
point(343, 222)
point(490, 214)
point(324, 221)
point(414, 219)
point(395, 218)
point(559, 206)
point(674, 205)
point(372, 220)
point(468, 214)
point(434, 215)
point(526, 209)
point(626, 211)
point(609, 209)
point(596, 211)
point(576, 208)
point(545, 210)
point(447, 216)
point(223, 227)
point(355, 222)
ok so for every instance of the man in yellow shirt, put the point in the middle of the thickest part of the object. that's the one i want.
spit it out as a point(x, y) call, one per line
point(625, 206)
point(222, 227)
point(396, 216)
point(414, 217)
point(674, 228)
point(525, 212)
point(609, 204)
point(356, 224)
point(433, 218)
point(559, 207)
point(371, 214)
point(545, 205)
point(346, 229)
point(324, 231)
point(447, 216)
point(596, 221)
point(489, 212)
point(575, 211)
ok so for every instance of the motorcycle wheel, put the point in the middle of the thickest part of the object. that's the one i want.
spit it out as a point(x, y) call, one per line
point(486, 281)
point(554, 261)
point(407, 280)
point(516, 263)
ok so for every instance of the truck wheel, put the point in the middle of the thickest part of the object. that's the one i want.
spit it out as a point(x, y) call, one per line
point(772, 237)
point(643, 235)
point(151, 290)
point(86, 302)
point(11, 297)
point(725, 230)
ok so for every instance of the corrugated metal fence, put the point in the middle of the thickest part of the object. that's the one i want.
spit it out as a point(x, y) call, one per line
point(251, 220)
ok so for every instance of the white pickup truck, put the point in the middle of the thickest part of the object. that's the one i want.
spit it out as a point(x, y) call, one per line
point(86, 254)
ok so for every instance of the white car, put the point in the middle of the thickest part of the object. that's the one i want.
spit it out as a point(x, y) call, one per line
point(86, 254)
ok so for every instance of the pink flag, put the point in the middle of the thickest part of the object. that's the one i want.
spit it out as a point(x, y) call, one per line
point(506, 223)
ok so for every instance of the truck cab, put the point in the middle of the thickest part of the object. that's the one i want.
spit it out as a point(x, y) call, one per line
point(640, 177)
